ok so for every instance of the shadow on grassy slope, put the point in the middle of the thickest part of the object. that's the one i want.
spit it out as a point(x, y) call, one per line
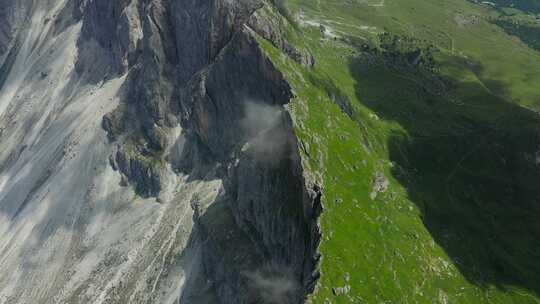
point(471, 164)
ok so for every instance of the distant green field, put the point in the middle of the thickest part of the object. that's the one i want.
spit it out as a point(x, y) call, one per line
point(429, 169)
point(531, 6)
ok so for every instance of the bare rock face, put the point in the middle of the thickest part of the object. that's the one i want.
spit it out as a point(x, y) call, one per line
point(203, 28)
point(13, 14)
point(148, 156)
point(240, 75)
point(267, 208)
point(110, 34)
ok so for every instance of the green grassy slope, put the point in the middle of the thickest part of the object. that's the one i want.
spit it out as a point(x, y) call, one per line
point(532, 6)
point(430, 172)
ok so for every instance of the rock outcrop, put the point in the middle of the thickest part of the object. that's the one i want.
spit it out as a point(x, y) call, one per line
point(159, 150)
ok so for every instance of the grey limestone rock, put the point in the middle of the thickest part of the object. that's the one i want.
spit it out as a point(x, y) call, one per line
point(192, 113)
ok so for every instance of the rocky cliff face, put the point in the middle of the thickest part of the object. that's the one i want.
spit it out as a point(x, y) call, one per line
point(148, 155)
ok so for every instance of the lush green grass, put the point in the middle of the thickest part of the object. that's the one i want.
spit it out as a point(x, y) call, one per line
point(457, 222)
point(510, 67)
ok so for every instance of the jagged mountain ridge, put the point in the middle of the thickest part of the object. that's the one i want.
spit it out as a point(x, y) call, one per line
point(135, 164)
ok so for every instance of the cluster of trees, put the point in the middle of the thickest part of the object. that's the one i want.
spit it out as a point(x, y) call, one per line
point(408, 51)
